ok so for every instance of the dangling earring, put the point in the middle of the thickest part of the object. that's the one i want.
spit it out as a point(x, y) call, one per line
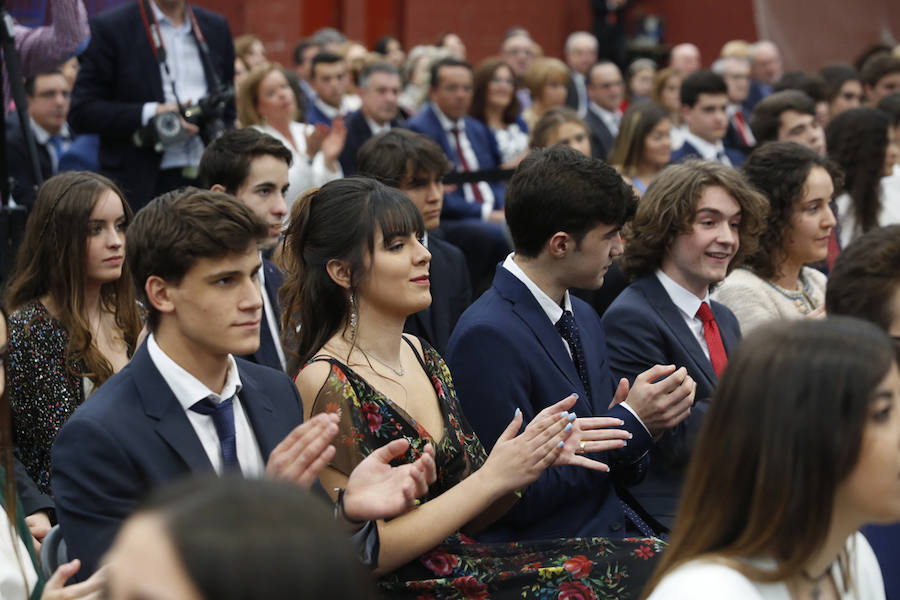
point(354, 318)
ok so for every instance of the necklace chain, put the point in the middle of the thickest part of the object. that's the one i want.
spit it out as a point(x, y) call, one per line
point(816, 582)
point(399, 372)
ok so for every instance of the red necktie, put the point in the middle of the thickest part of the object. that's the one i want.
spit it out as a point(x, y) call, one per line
point(713, 339)
point(742, 128)
point(834, 248)
point(462, 159)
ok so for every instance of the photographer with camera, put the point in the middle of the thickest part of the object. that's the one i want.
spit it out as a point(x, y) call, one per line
point(153, 84)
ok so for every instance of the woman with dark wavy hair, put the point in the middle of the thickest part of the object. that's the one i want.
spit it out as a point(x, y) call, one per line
point(494, 103)
point(799, 449)
point(643, 147)
point(861, 142)
point(75, 320)
point(775, 281)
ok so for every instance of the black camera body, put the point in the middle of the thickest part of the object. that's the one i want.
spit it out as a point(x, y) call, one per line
point(166, 129)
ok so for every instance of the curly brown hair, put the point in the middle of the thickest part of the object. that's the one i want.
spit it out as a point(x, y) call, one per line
point(667, 210)
point(779, 171)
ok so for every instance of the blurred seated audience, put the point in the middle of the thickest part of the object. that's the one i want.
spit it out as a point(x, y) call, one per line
point(606, 90)
point(495, 105)
point(249, 49)
point(860, 141)
point(391, 49)
point(765, 70)
point(813, 85)
point(704, 103)
point(546, 80)
point(667, 93)
point(785, 524)
point(329, 79)
point(736, 73)
point(230, 538)
point(453, 44)
point(417, 76)
point(776, 281)
point(880, 76)
point(267, 103)
point(788, 116)
point(843, 88)
point(580, 52)
point(74, 319)
point(519, 51)
point(685, 58)
point(641, 74)
point(302, 61)
point(561, 126)
point(644, 145)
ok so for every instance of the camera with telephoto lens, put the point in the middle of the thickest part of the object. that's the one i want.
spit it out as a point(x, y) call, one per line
point(166, 129)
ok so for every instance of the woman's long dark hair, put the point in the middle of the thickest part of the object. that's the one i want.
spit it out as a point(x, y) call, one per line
point(857, 141)
point(336, 221)
point(637, 123)
point(482, 79)
point(51, 262)
point(763, 476)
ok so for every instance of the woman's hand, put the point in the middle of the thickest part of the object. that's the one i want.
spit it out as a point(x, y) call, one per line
point(592, 434)
point(314, 139)
point(517, 460)
point(333, 143)
point(56, 588)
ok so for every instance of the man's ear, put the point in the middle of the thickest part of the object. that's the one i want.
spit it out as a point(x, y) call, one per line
point(339, 271)
point(218, 187)
point(159, 294)
point(560, 244)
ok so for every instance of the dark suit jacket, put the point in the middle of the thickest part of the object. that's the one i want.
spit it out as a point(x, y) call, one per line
point(645, 328)
point(132, 436)
point(758, 91)
point(20, 164)
point(451, 294)
point(602, 139)
point(266, 354)
point(572, 92)
point(315, 115)
point(358, 133)
point(734, 141)
point(118, 75)
point(486, 151)
point(688, 151)
point(506, 354)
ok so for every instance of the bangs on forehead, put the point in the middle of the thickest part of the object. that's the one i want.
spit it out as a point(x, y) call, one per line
point(396, 214)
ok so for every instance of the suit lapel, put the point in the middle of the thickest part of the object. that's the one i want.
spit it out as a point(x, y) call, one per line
point(526, 307)
point(441, 135)
point(160, 403)
point(435, 316)
point(674, 320)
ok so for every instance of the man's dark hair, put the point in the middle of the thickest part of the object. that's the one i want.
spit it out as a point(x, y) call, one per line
point(174, 231)
point(877, 67)
point(376, 67)
point(560, 189)
point(865, 278)
point(891, 105)
point(701, 82)
point(445, 62)
point(381, 46)
point(301, 48)
point(227, 160)
point(323, 58)
point(812, 84)
point(31, 79)
point(396, 156)
point(835, 76)
point(766, 118)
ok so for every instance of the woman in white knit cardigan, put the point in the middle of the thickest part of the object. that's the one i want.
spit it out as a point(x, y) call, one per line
point(775, 282)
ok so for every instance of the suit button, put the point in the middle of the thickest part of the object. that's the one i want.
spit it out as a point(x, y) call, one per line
point(615, 526)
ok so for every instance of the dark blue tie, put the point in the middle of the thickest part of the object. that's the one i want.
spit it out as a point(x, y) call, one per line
point(568, 329)
point(223, 418)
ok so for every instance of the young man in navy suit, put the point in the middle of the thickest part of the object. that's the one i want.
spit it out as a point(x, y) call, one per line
point(692, 226)
point(704, 105)
point(414, 164)
point(527, 342)
point(184, 404)
point(253, 167)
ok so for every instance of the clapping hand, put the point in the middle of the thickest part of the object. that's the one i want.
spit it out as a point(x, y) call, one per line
point(91, 589)
point(306, 450)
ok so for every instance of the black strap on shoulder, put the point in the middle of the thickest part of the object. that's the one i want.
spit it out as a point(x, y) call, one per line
point(416, 352)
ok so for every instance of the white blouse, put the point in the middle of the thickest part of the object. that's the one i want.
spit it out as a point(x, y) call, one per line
point(16, 569)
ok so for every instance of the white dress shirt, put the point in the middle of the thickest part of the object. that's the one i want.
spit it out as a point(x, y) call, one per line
point(581, 93)
point(189, 390)
point(186, 67)
point(553, 310)
point(271, 319)
point(688, 304)
point(375, 128)
point(487, 194)
point(610, 118)
point(706, 150)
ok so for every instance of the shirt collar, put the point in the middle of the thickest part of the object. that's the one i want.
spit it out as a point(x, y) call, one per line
point(375, 128)
point(686, 302)
point(188, 389)
point(606, 115)
point(42, 136)
point(163, 19)
point(705, 149)
point(553, 310)
point(328, 110)
point(447, 123)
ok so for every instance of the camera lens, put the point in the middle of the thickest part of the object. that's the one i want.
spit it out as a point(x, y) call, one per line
point(168, 125)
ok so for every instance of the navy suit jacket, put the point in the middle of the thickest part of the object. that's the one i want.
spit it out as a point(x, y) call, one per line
point(645, 328)
point(602, 139)
point(268, 356)
point(486, 151)
point(314, 115)
point(451, 294)
point(118, 75)
point(132, 435)
point(506, 354)
point(688, 151)
point(358, 133)
point(20, 165)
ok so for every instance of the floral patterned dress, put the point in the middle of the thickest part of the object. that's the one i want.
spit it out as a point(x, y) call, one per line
point(564, 569)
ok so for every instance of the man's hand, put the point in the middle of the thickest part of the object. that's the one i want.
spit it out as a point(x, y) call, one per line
point(189, 127)
point(306, 450)
point(376, 490)
point(497, 216)
point(91, 589)
point(662, 397)
point(39, 527)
